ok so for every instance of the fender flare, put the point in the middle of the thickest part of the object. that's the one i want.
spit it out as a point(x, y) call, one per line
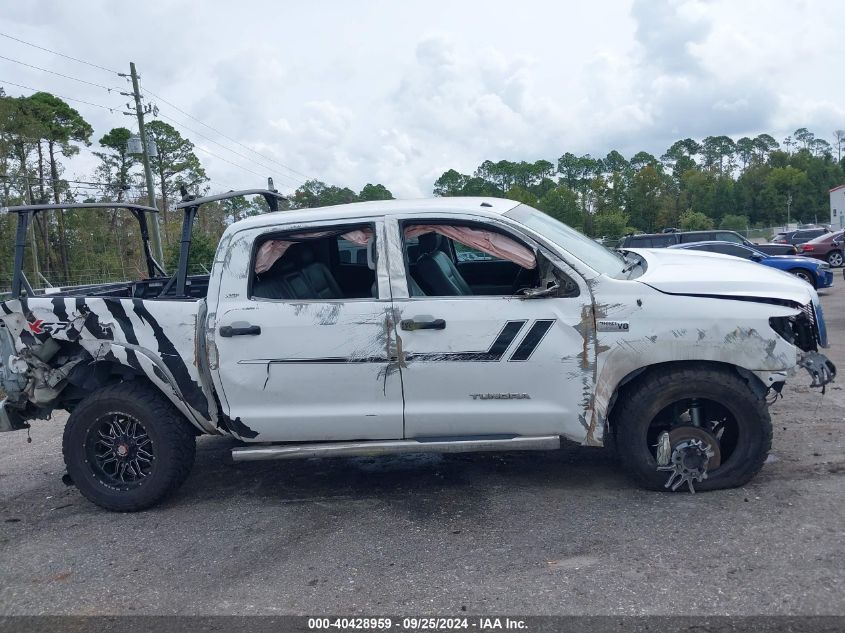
point(142, 360)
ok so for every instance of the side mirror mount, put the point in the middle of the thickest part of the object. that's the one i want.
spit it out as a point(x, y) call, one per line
point(539, 293)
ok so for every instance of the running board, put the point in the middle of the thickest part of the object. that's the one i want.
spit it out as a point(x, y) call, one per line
point(393, 447)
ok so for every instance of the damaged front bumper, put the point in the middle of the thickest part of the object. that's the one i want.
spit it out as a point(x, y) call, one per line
point(822, 371)
point(10, 420)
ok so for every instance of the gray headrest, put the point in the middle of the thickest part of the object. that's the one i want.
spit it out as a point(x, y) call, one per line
point(303, 253)
point(430, 242)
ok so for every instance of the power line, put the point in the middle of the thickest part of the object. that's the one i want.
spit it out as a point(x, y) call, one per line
point(49, 180)
point(76, 59)
point(96, 105)
point(199, 147)
point(53, 72)
point(271, 169)
point(228, 138)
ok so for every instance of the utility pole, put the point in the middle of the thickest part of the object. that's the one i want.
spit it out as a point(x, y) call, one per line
point(788, 205)
point(155, 235)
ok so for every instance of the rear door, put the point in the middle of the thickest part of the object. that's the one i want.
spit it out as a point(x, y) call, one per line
point(306, 369)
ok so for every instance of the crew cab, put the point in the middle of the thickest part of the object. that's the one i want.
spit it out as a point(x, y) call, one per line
point(359, 330)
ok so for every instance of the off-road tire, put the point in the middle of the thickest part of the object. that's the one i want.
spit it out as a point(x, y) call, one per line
point(803, 274)
point(644, 399)
point(834, 256)
point(172, 439)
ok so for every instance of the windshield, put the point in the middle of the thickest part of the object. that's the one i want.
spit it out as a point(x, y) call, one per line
point(593, 254)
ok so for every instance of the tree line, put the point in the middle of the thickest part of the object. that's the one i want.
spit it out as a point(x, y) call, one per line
point(40, 133)
point(714, 182)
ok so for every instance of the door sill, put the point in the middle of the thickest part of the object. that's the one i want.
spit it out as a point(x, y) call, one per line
point(394, 447)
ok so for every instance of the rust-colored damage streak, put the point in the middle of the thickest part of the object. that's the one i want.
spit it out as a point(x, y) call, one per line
point(394, 355)
point(196, 344)
point(589, 332)
point(587, 329)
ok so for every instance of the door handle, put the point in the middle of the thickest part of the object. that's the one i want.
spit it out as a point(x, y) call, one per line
point(240, 330)
point(413, 324)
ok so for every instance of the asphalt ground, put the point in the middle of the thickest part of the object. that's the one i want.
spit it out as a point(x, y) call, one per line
point(522, 533)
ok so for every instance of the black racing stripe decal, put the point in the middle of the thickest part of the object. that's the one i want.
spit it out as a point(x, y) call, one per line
point(173, 361)
point(92, 321)
point(6, 308)
point(329, 360)
point(115, 307)
point(132, 359)
point(59, 309)
point(495, 353)
point(508, 334)
point(532, 339)
point(239, 428)
point(27, 337)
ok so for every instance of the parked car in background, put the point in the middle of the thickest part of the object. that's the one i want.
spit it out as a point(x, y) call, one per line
point(800, 236)
point(827, 247)
point(662, 240)
point(817, 274)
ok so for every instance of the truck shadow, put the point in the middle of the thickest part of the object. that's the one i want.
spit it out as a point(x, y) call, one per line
point(399, 477)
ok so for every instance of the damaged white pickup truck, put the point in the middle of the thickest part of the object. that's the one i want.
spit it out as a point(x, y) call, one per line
point(446, 325)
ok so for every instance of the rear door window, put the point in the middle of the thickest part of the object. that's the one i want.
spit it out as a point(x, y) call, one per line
point(732, 249)
point(728, 236)
point(651, 241)
point(698, 236)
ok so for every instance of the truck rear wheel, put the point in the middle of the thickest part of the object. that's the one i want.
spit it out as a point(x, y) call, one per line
point(127, 448)
point(713, 408)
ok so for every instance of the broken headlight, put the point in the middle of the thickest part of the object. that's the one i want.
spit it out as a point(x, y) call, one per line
point(799, 330)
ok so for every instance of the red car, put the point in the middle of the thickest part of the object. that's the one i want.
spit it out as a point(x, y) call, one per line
point(827, 247)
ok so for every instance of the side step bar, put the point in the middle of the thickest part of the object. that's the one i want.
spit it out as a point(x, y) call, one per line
point(393, 447)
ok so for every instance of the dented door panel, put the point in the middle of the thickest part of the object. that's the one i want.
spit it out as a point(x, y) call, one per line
point(318, 370)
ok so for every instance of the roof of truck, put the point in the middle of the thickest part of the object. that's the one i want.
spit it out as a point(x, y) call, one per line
point(485, 206)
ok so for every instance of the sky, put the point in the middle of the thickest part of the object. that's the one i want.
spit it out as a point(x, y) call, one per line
point(397, 92)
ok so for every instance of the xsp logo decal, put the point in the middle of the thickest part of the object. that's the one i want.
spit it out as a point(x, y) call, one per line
point(35, 326)
point(496, 352)
point(612, 326)
point(39, 326)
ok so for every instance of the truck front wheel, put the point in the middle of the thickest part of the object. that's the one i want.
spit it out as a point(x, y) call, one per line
point(126, 447)
point(715, 422)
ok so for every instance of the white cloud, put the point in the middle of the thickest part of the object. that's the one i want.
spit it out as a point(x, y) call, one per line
point(399, 92)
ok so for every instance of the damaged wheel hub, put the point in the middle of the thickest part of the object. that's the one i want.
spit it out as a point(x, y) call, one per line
point(687, 453)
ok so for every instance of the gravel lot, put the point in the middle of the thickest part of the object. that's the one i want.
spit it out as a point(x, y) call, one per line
point(548, 533)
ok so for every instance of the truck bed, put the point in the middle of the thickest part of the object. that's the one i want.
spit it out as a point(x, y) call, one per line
point(67, 341)
point(196, 287)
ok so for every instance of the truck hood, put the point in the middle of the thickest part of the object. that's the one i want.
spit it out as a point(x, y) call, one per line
point(697, 273)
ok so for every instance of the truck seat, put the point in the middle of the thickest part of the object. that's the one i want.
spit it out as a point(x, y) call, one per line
point(297, 276)
point(436, 272)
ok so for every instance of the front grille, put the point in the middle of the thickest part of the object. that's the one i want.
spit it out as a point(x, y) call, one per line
point(800, 330)
point(810, 312)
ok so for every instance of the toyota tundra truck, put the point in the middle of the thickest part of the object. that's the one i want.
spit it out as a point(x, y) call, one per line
point(407, 326)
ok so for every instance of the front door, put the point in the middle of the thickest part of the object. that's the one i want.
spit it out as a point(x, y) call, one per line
point(304, 368)
point(496, 364)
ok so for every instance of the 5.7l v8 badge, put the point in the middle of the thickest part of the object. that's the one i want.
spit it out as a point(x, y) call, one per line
point(611, 326)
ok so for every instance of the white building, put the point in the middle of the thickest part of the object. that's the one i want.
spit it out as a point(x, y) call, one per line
point(837, 207)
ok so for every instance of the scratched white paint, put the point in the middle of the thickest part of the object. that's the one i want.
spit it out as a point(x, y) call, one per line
point(334, 370)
